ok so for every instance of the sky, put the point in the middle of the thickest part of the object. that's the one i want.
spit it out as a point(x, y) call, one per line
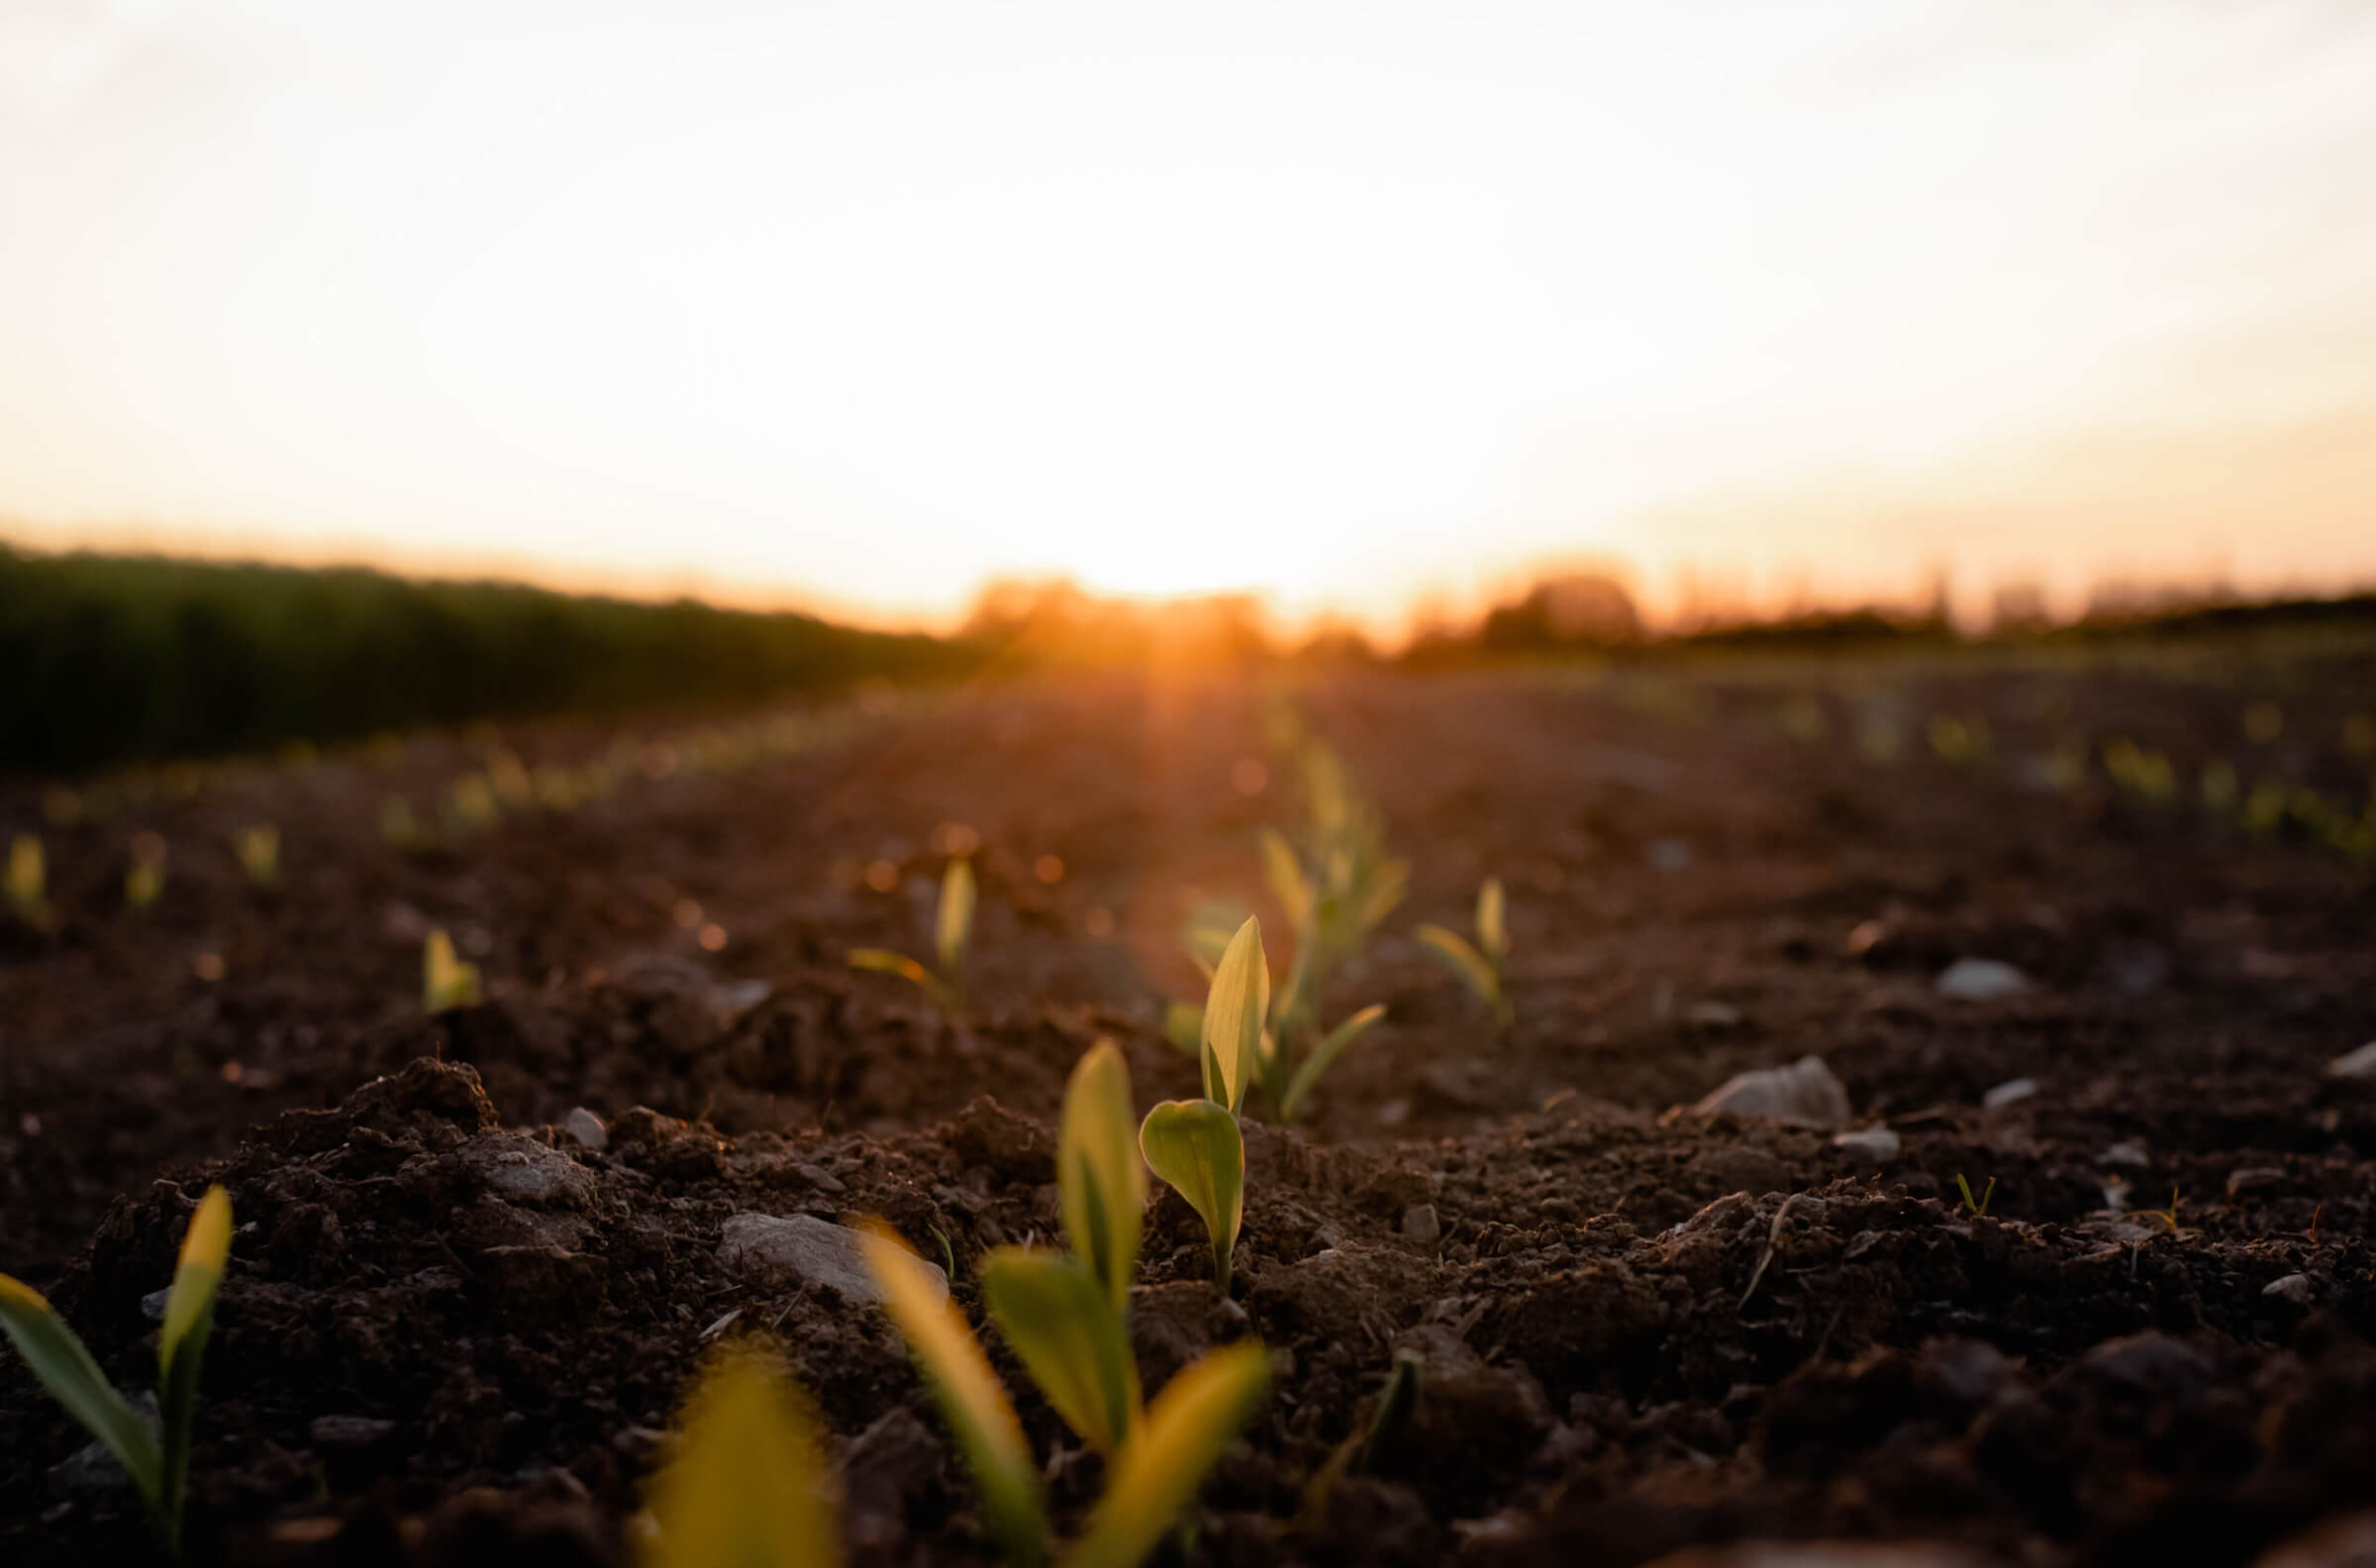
point(855, 304)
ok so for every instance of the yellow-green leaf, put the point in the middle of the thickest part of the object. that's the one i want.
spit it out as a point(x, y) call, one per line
point(1164, 1464)
point(957, 917)
point(967, 1392)
point(1285, 875)
point(747, 1486)
point(1323, 1054)
point(446, 981)
point(1069, 1337)
point(1493, 932)
point(1099, 1174)
point(1234, 1011)
point(1463, 960)
point(205, 1249)
point(1195, 1145)
point(883, 962)
point(65, 1369)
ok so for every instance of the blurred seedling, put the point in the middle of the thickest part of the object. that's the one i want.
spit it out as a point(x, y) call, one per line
point(953, 928)
point(748, 1484)
point(157, 1461)
point(258, 848)
point(1194, 1145)
point(398, 825)
point(145, 873)
point(1154, 1469)
point(2168, 1217)
point(1483, 968)
point(28, 881)
point(471, 804)
point(447, 982)
point(1977, 1209)
point(1364, 1447)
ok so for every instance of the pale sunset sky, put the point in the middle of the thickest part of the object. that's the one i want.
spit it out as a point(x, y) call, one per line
point(854, 305)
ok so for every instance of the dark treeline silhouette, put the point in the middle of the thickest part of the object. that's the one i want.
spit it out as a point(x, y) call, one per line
point(108, 660)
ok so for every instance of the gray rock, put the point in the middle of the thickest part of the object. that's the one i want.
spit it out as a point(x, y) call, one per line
point(2013, 1091)
point(1878, 1144)
point(348, 1431)
point(1420, 1223)
point(1981, 980)
point(518, 1169)
point(786, 1253)
point(2128, 1152)
point(585, 1126)
point(2295, 1288)
point(152, 1304)
point(1805, 1092)
point(2360, 1063)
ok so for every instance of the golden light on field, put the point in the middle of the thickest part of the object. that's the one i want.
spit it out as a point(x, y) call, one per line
point(866, 304)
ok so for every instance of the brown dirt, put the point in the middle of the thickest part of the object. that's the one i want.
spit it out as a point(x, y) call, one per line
point(1642, 1330)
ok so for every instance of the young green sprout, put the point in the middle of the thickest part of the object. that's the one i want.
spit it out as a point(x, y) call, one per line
point(1979, 1209)
point(447, 982)
point(1483, 968)
point(1153, 1470)
point(159, 1462)
point(1194, 1145)
point(747, 1486)
point(28, 894)
point(145, 873)
point(258, 848)
point(952, 928)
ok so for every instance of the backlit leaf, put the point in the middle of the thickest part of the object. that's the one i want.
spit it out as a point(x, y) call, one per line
point(1195, 1145)
point(1165, 1462)
point(1317, 1061)
point(1234, 1011)
point(1286, 878)
point(1465, 961)
point(955, 922)
point(66, 1369)
point(1493, 934)
point(1099, 1174)
point(967, 1392)
point(1069, 1337)
point(747, 1485)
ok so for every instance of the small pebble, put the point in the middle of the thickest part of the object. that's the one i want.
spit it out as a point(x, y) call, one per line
point(1420, 1223)
point(2128, 1152)
point(1807, 1092)
point(1981, 980)
point(2011, 1092)
point(585, 1126)
point(348, 1431)
point(2252, 1178)
point(2295, 1288)
point(1878, 1144)
point(2360, 1063)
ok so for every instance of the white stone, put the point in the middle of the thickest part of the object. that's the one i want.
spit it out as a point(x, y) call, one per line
point(585, 1126)
point(2013, 1091)
point(2295, 1288)
point(2360, 1063)
point(1981, 980)
point(1805, 1091)
point(1878, 1144)
point(784, 1253)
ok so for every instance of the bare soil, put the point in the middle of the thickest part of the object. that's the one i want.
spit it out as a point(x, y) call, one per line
point(452, 1333)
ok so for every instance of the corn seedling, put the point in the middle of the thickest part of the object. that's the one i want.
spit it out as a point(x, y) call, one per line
point(159, 1462)
point(1979, 1209)
point(447, 982)
point(258, 850)
point(952, 928)
point(1194, 1145)
point(28, 878)
point(748, 1484)
point(1484, 968)
point(1153, 1471)
point(145, 873)
point(1363, 1447)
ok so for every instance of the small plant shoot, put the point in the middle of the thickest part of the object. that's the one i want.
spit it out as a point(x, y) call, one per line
point(1100, 1175)
point(447, 982)
point(1055, 1316)
point(1483, 967)
point(158, 1463)
point(747, 1486)
point(1196, 1147)
point(258, 848)
point(1183, 1436)
point(145, 873)
point(27, 877)
point(952, 930)
point(1978, 1209)
point(1236, 1009)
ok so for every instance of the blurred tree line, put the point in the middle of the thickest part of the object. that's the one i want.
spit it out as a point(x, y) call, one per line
point(107, 659)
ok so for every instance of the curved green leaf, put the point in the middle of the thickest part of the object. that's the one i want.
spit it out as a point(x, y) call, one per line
point(1234, 1011)
point(955, 922)
point(1285, 875)
point(1162, 1467)
point(1195, 1145)
point(1069, 1337)
point(181, 1343)
point(446, 981)
point(1099, 1174)
point(1454, 953)
point(64, 1367)
point(1317, 1061)
point(748, 1487)
point(967, 1392)
point(1493, 930)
